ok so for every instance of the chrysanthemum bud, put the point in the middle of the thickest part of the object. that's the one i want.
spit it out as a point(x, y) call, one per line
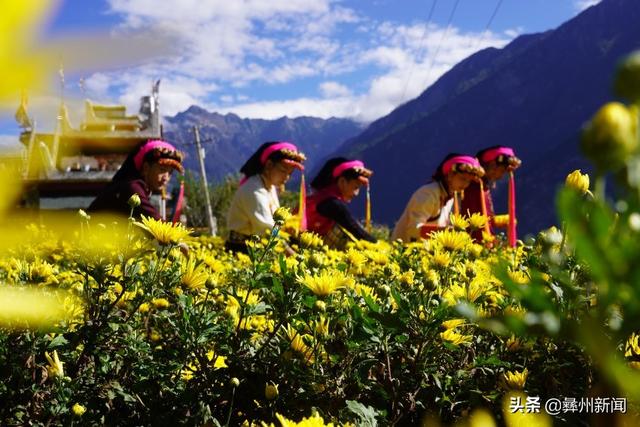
point(134, 201)
point(578, 181)
point(611, 136)
point(320, 306)
point(234, 382)
point(271, 391)
point(281, 214)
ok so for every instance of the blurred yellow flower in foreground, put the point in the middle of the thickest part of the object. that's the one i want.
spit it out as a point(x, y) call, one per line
point(164, 232)
point(20, 68)
point(611, 135)
point(314, 420)
point(515, 415)
point(31, 307)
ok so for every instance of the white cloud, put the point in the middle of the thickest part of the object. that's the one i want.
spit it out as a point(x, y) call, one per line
point(334, 90)
point(243, 45)
point(323, 108)
point(581, 5)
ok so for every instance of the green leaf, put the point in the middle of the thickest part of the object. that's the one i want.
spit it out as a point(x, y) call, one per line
point(58, 341)
point(366, 414)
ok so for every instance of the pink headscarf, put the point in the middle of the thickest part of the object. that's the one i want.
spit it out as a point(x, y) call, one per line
point(352, 164)
point(278, 147)
point(346, 165)
point(492, 154)
point(138, 159)
point(468, 160)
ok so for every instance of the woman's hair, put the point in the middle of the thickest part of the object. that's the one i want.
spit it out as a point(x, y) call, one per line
point(439, 174)
point(129, 170)
point(255, 165)
point(325, 177)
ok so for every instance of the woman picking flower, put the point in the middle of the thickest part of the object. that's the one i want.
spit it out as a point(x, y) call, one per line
point(146, 170)
point(430, 206)
point(255, 201)
point(496, 162)
point(337, 183)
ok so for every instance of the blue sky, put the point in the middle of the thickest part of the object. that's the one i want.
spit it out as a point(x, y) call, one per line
point(270, 58)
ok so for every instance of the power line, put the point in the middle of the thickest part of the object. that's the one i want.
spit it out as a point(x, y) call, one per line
point(420, 49)
point(486, 28)
point(444, 35)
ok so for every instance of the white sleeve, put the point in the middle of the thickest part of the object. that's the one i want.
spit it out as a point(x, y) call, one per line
point(258, 209)
point(424, 204)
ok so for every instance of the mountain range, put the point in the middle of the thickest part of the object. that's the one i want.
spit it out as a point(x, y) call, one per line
point(229, 140)
point(534, 95)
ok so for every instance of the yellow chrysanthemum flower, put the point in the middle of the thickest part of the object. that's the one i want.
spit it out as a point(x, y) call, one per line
point(188, 371)
point(453, 323)
point(165, 233)
point(194, 276)
point(459, 222)
point(441, 258)
point(515, 380)
point(470, 292)
point(513, 343)
point(356, 258)
point(297, 342)
point(632, 346)
point(452, 240)
point(78, 409)
point(314, 420)
point(282, 214)
point(310, 240)
point(322, 327)
point(326, 282)
point(218, 361)
point(160, 302)
point(455, 338)
point(519, 277)
point(477, 221)
point(55, 368)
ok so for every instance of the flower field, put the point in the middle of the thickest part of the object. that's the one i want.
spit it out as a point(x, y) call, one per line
point(140, 323)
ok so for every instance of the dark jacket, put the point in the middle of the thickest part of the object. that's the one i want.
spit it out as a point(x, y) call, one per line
point(115, 198)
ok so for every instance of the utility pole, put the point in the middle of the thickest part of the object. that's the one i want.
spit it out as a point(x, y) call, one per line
point(213, 226)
